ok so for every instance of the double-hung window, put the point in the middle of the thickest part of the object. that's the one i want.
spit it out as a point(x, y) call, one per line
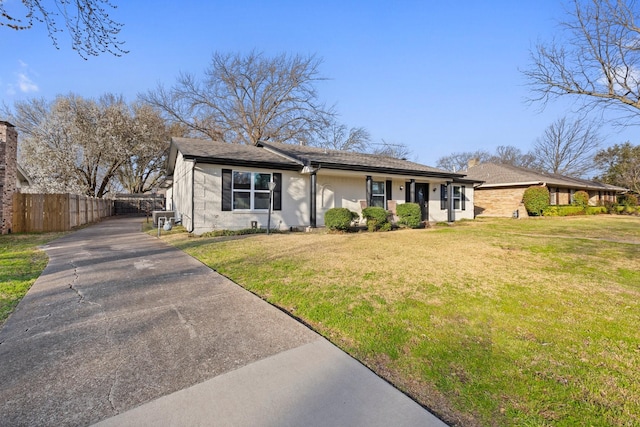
point(250, 190)
point(458, 197)
point(377, 193)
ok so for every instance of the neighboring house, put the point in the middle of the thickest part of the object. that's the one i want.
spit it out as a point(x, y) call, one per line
point(503, 186)
point(216, 185)
point(22, 180)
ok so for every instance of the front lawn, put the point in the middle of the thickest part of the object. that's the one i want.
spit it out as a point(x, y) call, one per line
point(494, 322)
point(21, 262)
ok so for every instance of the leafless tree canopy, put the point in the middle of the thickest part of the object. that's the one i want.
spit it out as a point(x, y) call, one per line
point(510, 155)
point(339, 137)
point(504, 155)
point(90, 27)
point(91, 147)
point(248, 98)
point(598, 61)
point(567, 148)
point(459, 161)
point(389, 149)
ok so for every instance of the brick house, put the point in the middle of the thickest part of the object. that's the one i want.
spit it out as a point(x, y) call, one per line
point(503, 186)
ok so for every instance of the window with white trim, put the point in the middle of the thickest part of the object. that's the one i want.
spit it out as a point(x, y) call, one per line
point(250, 190)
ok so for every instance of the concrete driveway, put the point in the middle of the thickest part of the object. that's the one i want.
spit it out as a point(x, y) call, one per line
point(122, 329)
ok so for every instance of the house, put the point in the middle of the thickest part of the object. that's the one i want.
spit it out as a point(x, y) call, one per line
point(216, 185)
point(502, 188)
point(23, 181)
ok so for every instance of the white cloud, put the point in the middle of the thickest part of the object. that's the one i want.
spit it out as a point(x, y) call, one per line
point(25, 84)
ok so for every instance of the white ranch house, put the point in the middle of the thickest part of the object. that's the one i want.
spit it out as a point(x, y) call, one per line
point(216, 185)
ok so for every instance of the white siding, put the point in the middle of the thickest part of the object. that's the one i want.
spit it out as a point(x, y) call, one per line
point(334, 190)
point(181, 191)
point(208, 202)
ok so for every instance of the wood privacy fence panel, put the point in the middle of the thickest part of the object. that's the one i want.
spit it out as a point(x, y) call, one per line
point(56, 212)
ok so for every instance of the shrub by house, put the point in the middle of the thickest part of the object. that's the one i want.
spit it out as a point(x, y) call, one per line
point(535, 199)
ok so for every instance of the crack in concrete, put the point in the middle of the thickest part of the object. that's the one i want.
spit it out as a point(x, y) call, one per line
point(81, 296)
point(111, 395)
point(75, 279)
point(192, 331)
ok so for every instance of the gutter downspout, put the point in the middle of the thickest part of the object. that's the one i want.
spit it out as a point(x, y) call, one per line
point(193, 196)
point(312, 201)
point(451, 214)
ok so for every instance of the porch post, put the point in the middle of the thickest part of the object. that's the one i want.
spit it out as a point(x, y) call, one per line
point(312, 201)
point(369, 191)
point(412, 191)
point(451, 213)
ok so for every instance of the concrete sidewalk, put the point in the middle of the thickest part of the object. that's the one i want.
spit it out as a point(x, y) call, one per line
point(122, 329)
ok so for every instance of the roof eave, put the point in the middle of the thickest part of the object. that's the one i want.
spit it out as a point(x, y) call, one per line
point(240, 162)
point(386, 170)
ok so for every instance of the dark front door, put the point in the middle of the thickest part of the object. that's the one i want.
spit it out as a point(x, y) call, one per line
point(422, 198)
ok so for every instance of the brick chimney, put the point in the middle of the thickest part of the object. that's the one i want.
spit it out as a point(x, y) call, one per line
point(8, 174)
point(473, 162)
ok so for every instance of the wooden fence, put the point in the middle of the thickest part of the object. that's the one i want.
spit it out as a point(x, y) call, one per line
point(56, 212)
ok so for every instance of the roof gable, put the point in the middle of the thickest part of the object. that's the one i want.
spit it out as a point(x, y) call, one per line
point(209, 151)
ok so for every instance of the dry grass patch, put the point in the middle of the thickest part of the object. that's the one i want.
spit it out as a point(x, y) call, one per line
point(491, 322)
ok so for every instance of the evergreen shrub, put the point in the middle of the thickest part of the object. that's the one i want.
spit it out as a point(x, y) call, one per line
point(409, 214)
point(339, 219)
point(581, 198)
point(535, 200)
point(377, 218)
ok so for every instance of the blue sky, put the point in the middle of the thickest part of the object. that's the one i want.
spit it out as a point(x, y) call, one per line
point(438, 76)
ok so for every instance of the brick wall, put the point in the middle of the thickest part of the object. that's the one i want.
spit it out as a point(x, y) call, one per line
point(8, 174)
point(499, 202)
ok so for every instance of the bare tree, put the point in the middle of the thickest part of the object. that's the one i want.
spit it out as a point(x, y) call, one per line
point(510, 155)
point(460, 161)
point(384, 148)
point(567, 148)
point(245, 99)
point(82, 146)
point(90, 27)
point(598, 62)
point(340, 137)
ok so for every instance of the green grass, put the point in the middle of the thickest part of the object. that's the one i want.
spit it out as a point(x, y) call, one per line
point(488, 322)
point(21, 262)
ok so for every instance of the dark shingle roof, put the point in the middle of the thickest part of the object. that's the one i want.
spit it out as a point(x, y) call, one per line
point(294, 157)
point(208, 151)
point(347, 160)
point(496, 175)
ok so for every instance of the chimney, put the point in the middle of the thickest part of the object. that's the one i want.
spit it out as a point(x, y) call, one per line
point(8, 174)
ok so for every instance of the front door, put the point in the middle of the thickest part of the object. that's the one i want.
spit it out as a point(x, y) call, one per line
point(422, 198)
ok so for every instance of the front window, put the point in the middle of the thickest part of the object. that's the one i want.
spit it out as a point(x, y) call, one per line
point(377, 193)
point(251, 190)
point(458, 197)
